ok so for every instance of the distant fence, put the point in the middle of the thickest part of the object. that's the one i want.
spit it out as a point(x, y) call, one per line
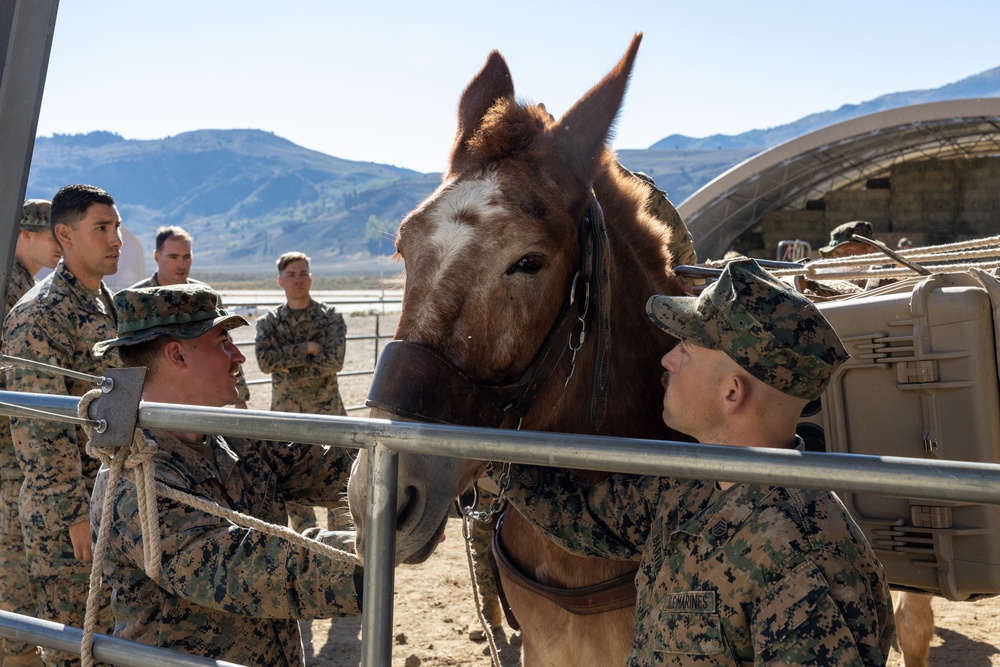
point(375, 302)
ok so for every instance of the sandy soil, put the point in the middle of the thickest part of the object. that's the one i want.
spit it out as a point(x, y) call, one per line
point(434, 603)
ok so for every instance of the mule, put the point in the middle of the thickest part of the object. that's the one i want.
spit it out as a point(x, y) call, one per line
point(914, 626)
point(535, 236)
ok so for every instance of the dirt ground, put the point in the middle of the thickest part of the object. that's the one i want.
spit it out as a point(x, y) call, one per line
point(434, 604)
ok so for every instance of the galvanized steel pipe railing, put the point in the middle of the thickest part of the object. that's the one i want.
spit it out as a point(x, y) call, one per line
point(891, 476)
point(884, 475)
point(114, 650)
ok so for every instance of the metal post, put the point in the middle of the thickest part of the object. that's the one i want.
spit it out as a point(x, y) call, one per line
point(380, 550)
point(26, 28)
point(378, 319)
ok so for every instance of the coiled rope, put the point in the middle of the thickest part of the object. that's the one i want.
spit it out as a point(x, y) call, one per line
point(137, 466)
point(956, 257)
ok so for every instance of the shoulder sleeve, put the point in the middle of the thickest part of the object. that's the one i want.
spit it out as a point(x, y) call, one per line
point(610, 519)
point(49, 450)
point(334, 341)
point(274, 352)
point(818, 615)
point(215, 563)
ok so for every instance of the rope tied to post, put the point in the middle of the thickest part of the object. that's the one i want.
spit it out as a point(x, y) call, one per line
point(136, 463)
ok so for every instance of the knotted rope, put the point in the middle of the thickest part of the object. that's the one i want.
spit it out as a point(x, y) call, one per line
point(477, 596)
point(138, 467)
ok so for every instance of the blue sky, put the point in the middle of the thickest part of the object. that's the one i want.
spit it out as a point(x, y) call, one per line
point(380, 80)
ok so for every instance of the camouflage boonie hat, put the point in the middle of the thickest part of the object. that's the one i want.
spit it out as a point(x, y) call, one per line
point(842, 234)
point(773, 332)
point(174, 311)
point(35, 215)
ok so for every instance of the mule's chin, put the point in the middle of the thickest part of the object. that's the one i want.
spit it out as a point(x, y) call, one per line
point(423, 553)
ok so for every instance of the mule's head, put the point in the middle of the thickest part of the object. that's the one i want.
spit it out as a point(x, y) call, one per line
point(489, 259)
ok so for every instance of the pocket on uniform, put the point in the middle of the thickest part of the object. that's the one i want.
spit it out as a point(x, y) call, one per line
point(788, 605)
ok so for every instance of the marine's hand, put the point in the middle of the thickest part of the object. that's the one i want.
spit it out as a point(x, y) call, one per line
point(83, 547)
point(313, 348)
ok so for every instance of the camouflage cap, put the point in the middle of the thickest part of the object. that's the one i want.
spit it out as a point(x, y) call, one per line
point(35, 215)
point(842, 234)
point(772, 331)
point(175, 311)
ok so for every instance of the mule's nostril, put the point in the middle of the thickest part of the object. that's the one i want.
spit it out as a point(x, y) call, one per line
point(407, 505)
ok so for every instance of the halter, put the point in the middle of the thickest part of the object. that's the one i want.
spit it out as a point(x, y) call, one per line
point(417, 382)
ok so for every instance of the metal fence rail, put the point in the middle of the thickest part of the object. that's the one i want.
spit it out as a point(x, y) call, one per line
point(892, 476)
point(117, 651)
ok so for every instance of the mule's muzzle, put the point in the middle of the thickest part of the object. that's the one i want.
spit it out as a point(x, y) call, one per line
point(416, 382)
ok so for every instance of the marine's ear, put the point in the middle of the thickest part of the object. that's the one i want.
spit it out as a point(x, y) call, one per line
point(173, 353)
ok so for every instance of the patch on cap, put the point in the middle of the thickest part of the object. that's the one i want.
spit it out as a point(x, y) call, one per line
point(173, 311)
point(772, 331)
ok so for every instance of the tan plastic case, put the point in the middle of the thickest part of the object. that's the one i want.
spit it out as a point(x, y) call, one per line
point(922, 382)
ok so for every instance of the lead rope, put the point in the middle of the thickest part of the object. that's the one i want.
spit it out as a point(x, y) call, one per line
point(469, 515)
point(476, 595)
point(138, 458)
point(138, 462)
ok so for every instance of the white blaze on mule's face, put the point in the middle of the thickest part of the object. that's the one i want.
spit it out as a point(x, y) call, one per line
point(450, 232)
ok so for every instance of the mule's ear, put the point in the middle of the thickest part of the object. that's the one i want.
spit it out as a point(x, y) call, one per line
point(580, 135)
point(491, 84)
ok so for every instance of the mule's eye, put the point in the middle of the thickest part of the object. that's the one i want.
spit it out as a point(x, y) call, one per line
point(529, 264)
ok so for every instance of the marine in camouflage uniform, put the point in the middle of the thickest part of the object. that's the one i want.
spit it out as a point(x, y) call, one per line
point(225, 592)
point(302, 381)
point(56, 323)
point(17, 590)
point(731, 573)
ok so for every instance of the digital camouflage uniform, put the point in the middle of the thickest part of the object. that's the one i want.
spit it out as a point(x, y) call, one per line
point(56, 322)
point(227, 592)
point(750, 575)
point(658, 205)
point(17, 590)
point(241, 381)
point(301, 382)
point(753, 574)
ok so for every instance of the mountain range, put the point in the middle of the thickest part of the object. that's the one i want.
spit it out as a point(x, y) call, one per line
point(249, 195)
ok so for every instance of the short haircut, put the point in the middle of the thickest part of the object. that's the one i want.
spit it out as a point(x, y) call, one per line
point(70, 204)
point(146, 353)
point(164, 234)
point(290, 257)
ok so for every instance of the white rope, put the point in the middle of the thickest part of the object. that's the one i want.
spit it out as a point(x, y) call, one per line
point(467, 527)
point(138, 463)
point(956, 257)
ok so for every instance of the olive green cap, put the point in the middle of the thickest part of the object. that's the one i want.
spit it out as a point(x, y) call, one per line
point(776, 334)
point(842, 234)
point(35, 215)
point(174, 311)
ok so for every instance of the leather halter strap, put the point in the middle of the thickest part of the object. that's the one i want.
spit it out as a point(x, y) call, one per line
point(617, 593)
point(414, 381)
